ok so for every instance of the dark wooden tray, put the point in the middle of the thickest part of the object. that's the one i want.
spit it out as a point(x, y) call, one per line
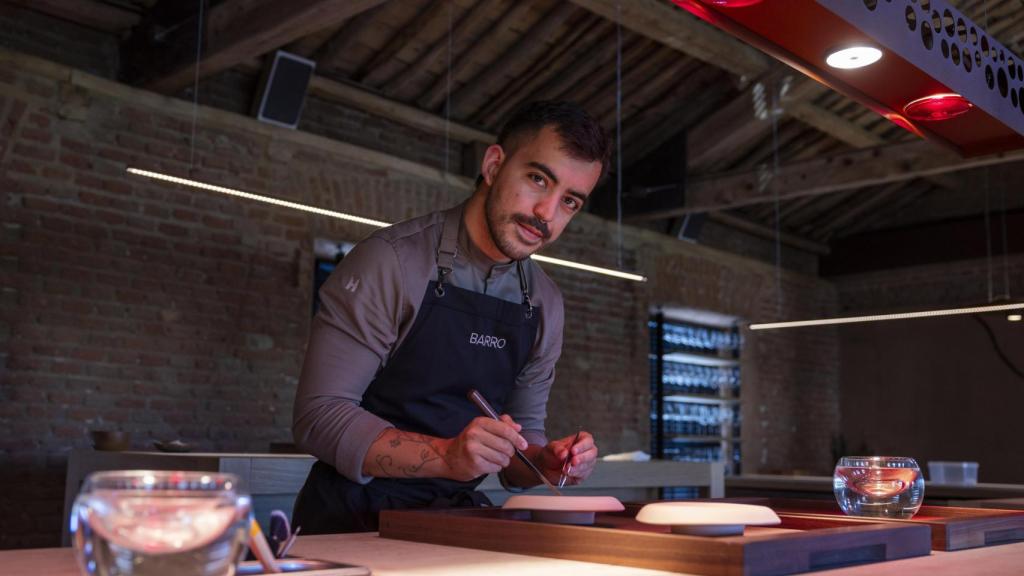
point(953, 528)
point(798, 545)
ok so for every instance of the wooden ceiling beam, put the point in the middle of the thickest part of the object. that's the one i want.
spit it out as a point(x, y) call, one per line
point(88, 13)
point(239, 29)
point(470, 20)
point(396, 111)
point(848, 171)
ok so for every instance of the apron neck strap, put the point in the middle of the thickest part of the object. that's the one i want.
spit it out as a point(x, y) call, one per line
point(525, 287)
point(448, 249)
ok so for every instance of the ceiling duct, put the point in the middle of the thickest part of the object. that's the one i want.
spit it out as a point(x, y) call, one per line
point(927, 49)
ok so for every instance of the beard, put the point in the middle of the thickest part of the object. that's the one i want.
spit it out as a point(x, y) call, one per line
point(503, 228)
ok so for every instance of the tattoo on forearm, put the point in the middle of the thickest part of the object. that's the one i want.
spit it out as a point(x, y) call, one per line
point(429, 451)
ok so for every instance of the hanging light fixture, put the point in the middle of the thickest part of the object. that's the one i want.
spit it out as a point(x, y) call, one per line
point(929, 48)
point(937, 107)
point(733, 3)
point(358, 219)
point(1014, 317)
point(853, 57)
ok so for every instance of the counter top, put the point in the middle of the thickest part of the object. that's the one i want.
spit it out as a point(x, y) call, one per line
point(823, 484)
point(400, 558)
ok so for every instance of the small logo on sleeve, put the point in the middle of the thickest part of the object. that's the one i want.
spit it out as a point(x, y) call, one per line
point(353, 284)
point(486, 341)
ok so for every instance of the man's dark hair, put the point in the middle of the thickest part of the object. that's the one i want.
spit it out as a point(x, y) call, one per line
point(582, 137)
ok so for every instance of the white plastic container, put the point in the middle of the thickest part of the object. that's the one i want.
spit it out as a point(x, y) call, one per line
point(953, 472)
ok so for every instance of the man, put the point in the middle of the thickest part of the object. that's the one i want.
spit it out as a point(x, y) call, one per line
point(423, 311)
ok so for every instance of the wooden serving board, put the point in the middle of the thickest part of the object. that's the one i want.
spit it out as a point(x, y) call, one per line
point(953, 528)
point(797, 545)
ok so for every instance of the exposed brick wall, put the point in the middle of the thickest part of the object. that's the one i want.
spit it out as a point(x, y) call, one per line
point(177, 313)
point(934, 389)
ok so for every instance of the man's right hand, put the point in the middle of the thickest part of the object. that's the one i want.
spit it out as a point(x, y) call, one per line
point(484, 446)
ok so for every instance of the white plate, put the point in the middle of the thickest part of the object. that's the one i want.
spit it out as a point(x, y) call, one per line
point(564, 509)
point(707, 518)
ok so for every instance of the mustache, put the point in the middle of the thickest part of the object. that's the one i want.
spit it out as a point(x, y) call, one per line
point(534, 223)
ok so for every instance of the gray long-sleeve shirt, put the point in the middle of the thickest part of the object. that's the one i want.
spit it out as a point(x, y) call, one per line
point(367, 307)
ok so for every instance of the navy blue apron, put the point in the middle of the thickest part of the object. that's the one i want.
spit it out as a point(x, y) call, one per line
point(460, 340)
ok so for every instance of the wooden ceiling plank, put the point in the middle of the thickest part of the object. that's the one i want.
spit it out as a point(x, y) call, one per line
point(656, 125)
point(892, 212)
point(601, 83)
point(580, 42)
point(433, 96)
point(529, 46)
point(470, 20)
point(838, 219)
point(329, 55)
point(308, 46)
point(383, 66)
point(268, 26)
point(767, 233)
point(638, 81)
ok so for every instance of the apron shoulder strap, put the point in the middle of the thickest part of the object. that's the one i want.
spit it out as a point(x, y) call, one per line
point(448, 249)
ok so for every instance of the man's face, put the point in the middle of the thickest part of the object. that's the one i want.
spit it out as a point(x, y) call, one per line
point(534, 192)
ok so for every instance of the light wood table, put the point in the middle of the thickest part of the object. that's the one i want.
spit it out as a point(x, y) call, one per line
point(399, 558)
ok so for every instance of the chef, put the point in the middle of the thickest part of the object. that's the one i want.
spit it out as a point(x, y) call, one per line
point(419, 313)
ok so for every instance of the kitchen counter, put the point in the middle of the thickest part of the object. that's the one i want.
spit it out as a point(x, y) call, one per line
point(274, 480)
point(821, 487)
point(400, 558)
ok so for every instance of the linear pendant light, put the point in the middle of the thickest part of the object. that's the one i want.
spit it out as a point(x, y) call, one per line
point(359, 219)
point(880, 317)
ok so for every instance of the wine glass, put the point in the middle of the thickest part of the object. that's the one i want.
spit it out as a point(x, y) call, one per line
point(880, 486)
point(146, 522)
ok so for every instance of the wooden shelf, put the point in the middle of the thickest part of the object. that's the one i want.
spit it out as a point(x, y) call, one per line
point(701, 438)
point(698, 399)
point(699, 359)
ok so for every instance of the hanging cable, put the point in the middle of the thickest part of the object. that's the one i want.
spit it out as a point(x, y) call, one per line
point(448, 103)
point(618, 132)
point(195, 87)
point(988, 239)
point(1006, 261)
point(774, 113)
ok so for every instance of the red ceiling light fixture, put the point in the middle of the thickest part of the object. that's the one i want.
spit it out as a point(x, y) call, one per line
point(938, 107)
point(930, 48)
point(733, 3)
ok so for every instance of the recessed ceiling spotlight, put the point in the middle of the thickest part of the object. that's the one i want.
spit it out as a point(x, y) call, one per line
point(938, 107)
point(854, 57)
point(733, 3)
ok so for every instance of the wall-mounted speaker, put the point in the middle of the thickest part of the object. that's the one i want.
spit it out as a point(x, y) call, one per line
point(282, 91)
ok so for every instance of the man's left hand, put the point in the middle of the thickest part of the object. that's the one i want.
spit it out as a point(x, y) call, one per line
point(580, 465)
